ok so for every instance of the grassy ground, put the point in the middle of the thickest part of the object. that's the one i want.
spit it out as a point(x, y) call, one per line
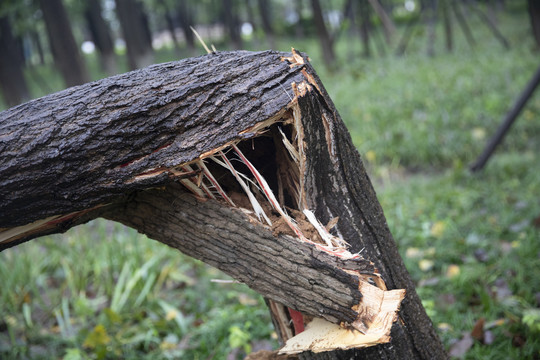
point(470, 242)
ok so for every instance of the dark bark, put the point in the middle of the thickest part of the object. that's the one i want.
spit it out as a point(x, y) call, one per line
point(232, 23)
point(63, 46)
point(136, 33)
point(534, 15)
point(116, 143)
point(12, 81)
point(101, 36)
point(260, 260)
point(327, 47)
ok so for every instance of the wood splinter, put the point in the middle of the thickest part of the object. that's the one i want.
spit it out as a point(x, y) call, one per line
point(214, 157)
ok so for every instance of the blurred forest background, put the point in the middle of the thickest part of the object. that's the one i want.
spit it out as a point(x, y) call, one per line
point(421, 85)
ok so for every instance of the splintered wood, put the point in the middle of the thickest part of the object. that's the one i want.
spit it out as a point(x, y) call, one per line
point(378, 308)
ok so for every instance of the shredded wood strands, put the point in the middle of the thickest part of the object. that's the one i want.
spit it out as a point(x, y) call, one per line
point(254, 203)
point(216, 185)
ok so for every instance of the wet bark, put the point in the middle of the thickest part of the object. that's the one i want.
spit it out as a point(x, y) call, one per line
point(106, 149)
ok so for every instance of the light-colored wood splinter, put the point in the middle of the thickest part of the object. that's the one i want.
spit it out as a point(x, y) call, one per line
point(378, 308)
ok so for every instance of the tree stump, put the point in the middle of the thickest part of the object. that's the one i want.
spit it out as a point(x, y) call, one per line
point(241, 160)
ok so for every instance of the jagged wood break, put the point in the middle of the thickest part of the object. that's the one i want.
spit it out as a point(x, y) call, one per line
point(238, 159)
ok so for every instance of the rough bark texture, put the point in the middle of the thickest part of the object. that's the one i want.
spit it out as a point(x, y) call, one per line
point(260, 260)
point(162, 116)
point(108, 142)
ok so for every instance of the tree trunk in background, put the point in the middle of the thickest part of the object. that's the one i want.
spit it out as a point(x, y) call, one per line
point(431, 20)
point(388, 24)
point(232, 23)
point(12, 81)
point(136, 33)
point(299, 27)
point(448, 31)
point(463, 24)
point(130, 170)
point(534, 14)
point(101, 36)
point(185, 16)
point(327, 47)
point(365, 27)
point(266, 11)
point(65, 51)
point(170, 25)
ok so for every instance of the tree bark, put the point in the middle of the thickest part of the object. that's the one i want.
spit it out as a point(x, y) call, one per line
point(130, 147)
point(534, 15)
point(63, 46)
point(12, 81)
point(101, 35)
point(136, 33)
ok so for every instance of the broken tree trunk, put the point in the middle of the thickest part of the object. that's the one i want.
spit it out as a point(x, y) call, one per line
point(237, 159)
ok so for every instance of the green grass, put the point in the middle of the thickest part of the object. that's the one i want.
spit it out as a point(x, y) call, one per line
point(102, 291)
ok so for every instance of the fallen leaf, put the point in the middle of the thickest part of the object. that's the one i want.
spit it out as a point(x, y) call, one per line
point(425, 264)
point(437, 229)
point(460, 348)
point(412, 252)
point(444, 327)
point(478, 330)
point(453, 270)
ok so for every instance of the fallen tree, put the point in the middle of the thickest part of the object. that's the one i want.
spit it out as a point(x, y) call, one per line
point(238, 159)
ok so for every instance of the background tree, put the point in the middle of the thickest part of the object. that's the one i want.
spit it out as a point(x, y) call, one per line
point(265, 10)
point(534, 14)
point(136, 33)
point(186, 18)
point(231, 21)
point(62, 42)
point(327, 46)
point(101, 36)
point(12, 81)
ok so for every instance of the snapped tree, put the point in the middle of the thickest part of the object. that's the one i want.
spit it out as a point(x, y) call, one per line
point(239, 159)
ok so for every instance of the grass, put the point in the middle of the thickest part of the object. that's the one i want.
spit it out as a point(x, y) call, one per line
point(469, 241)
